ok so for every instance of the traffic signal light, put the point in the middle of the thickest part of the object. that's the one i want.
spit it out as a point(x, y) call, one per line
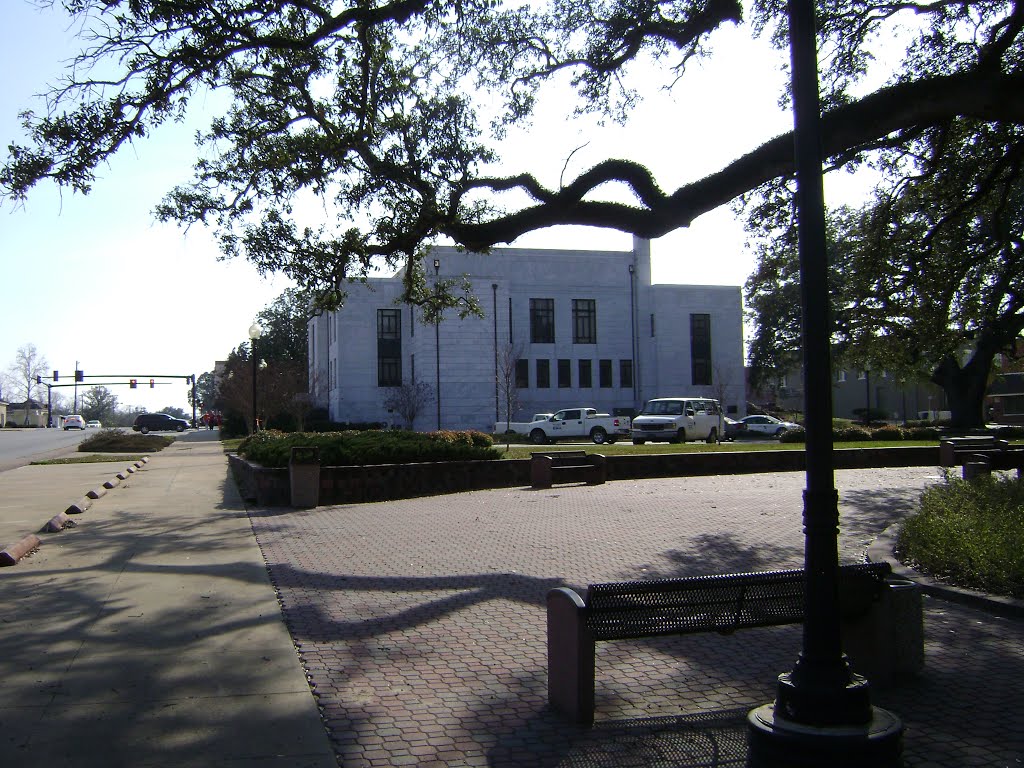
point(133, 383)
point(151, 384)
point(56, 375)
point(79, 375)
point(39, 379)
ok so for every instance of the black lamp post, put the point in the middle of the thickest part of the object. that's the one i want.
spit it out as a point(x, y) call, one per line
point(255, 331)
point(632, 331)
point(867, 394)
point(437, 339)
point(822, 714)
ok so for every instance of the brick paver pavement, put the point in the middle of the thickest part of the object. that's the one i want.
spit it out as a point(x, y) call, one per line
point(421, 624)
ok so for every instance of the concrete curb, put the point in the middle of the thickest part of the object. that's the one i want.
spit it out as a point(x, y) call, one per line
point(11, 555)
point(79, 506)
point(883, 549)
point(14, 553)
point(57, 523)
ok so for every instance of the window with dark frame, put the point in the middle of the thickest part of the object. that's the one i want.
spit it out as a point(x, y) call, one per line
point(542, 321)
point(584, 321)
point(543, 373)
point(604, 373)
point(564, 373)
point(522, 373)
point(389, 347)
point(625, 373)
point(586, 374)
point(700, 349)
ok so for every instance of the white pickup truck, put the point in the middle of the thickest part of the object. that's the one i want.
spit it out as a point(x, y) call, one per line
point(520, 427)
point(579, 422)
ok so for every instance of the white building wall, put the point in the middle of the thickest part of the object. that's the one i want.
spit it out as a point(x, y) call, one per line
point(466, 361)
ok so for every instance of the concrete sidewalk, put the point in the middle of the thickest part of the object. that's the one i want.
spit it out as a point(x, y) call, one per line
point(148, 634)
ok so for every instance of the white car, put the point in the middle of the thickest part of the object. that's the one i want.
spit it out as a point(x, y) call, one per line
point(767, 425)
point(73, 422)
point(94, 424)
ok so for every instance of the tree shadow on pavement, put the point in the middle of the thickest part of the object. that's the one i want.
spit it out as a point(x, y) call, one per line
point(705, 740)
point(714, 553)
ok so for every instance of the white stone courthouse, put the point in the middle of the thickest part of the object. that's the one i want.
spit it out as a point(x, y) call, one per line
point(573, 328)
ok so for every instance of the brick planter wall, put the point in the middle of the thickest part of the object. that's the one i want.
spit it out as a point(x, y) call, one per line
point(270, 487)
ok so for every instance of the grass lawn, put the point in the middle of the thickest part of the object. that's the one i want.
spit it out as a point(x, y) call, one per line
point(92, 458)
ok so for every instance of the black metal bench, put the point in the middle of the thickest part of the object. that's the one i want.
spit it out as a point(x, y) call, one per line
point(979, 455)
point(566, 467)
point(723, 603)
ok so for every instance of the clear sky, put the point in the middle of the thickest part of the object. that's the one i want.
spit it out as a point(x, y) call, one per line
point(97, 281)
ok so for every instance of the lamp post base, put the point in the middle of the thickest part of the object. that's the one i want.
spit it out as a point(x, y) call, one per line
point(775, 742)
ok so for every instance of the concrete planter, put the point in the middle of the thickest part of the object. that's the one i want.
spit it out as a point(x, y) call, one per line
point(270, 487)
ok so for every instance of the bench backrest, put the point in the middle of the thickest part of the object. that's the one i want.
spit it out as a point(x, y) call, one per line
point(722, 603)
point(564, 458)
point(955, 450)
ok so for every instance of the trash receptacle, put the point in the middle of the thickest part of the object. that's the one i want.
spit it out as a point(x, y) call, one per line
point(304, 476)
point(887, 647)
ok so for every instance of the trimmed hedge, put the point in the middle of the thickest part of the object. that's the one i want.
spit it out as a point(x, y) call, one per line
point(355, 448)
point(851, 434)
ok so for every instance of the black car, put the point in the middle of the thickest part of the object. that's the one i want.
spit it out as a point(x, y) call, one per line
point(158, 422)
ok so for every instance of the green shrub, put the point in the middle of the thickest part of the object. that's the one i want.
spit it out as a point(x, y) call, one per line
point(970, 533)
point(922, 433)
point(798, 435)
point(233, 424)
point(273, 449)
point(889, 432)
point(116, 441)
point(1010, 433)
point(851, 434)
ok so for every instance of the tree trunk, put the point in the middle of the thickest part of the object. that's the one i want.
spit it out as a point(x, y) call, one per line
point(965, 386)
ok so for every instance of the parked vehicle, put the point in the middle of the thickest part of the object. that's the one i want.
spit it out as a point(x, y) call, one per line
point(73, 422)
point(678, 419)
point(93, 424)
point(579, 422)
point(767, 425)
point(158, 422)
point(520, 427)
point(733, 428)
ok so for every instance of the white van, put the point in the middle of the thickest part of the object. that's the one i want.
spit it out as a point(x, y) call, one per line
point(678, 419)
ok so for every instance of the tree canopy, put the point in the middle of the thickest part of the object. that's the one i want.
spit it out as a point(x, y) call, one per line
point(99, 403)
point(926, 279)
point(391, 113)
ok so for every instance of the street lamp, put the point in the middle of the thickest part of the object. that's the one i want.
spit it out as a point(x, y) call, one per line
point(867, 394)
point(255, 331)
point(822, 713)
point(437, 339)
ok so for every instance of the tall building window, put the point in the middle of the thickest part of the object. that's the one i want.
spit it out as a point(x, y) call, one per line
point(522, 373)
point(700, 349)
point(389, 347)
point(586, 375)
point(542, 321)
point(604, 373)
point(543, 373)
point(584, 321)
point(564, 373)
point(625, 373)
